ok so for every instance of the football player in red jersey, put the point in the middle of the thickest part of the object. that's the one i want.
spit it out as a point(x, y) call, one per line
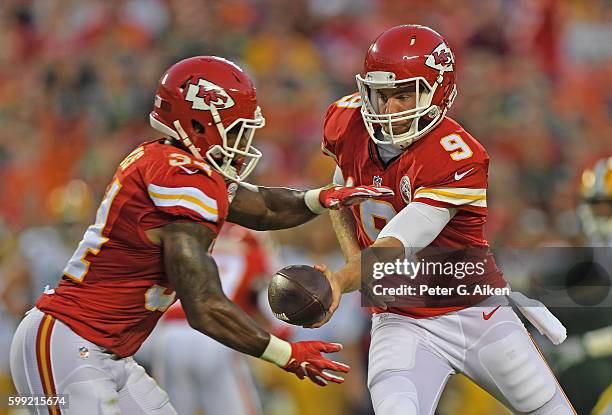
point(395, 132)
point(150, 244)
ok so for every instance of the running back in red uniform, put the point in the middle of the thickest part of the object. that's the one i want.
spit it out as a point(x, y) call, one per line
point(114, 288)
point(162, 211)
point(446, 168)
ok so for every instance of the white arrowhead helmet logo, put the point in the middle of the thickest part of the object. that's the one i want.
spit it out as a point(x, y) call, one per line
point(206, 95)
point(441, 58)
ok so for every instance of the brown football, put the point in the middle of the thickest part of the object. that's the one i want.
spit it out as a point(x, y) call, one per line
point(300, 295)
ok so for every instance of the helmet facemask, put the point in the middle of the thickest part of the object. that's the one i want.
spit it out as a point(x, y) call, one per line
point(424, 115)
point(236, 158)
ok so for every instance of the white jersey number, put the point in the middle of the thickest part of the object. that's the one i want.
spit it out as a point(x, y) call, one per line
point(349, 101)
point(374, 215)
point(457, 148)
point(157, 300)
point(93, 239)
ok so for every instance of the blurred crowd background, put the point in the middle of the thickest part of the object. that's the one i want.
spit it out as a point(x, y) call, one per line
point(77, 81)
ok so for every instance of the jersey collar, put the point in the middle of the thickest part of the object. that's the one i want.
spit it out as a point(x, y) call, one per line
point(377, 159)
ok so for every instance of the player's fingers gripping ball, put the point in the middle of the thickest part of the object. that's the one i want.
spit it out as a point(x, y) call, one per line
point(300, 295)
point(337, 197)
point(336, 294)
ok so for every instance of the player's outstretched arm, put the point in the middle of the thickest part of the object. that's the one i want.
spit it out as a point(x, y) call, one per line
point(194, 276)
point(345, 227)
point(269, 208)
point(413, 228)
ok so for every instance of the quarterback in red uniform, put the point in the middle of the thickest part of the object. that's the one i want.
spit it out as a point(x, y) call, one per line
point(395, 132)
point(150, 244)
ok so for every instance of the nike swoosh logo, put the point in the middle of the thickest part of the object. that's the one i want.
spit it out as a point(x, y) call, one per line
point(462, 175)
point(188, 171)
point(489, 315)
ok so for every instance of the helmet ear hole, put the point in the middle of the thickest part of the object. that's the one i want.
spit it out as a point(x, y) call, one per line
point(184, 84)
point(197, 126)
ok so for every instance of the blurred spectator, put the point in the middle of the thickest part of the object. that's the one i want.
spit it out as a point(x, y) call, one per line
point(77, 80)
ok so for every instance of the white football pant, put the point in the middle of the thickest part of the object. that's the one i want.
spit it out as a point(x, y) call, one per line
point(411, 359)
point(48, 358)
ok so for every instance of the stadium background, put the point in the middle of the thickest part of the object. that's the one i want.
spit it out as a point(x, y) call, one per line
point(77, 79)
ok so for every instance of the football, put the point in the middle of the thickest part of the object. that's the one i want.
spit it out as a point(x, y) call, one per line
point(299, 295)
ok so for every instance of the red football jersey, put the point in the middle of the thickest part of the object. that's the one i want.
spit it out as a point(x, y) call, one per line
point(114, 288)
point(445, 168)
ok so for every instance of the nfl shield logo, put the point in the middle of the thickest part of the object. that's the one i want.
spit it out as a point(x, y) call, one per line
point(405, 189)
point(377, 181)
point(231, 191)
point(83, 352)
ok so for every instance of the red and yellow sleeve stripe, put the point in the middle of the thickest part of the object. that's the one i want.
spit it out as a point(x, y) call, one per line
point(185, 197)
point(459, 196)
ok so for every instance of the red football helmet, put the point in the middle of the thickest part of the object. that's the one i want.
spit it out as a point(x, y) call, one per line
point(202, 100)
point(399, 56)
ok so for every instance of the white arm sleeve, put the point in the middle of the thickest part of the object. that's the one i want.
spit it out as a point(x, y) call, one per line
point(338, 178)
point(417, 225)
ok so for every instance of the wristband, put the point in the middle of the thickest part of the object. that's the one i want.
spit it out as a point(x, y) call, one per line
point(278, 352)
point(311, 199)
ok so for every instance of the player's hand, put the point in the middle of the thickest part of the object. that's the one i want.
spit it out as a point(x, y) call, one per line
point(367, 290)
point(337, 197)
point(306, 361)
point(336, 295)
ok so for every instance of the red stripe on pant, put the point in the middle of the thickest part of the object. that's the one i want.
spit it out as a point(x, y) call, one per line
point(552, 373)
point(43, 359)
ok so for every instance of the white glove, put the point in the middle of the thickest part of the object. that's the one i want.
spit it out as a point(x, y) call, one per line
point(540, 317)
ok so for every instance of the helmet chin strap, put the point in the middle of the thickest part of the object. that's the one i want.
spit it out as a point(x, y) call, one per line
point(186, 140)
point(226, 169)
point(215, 152)
point(433, 112)
point(392, 137)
